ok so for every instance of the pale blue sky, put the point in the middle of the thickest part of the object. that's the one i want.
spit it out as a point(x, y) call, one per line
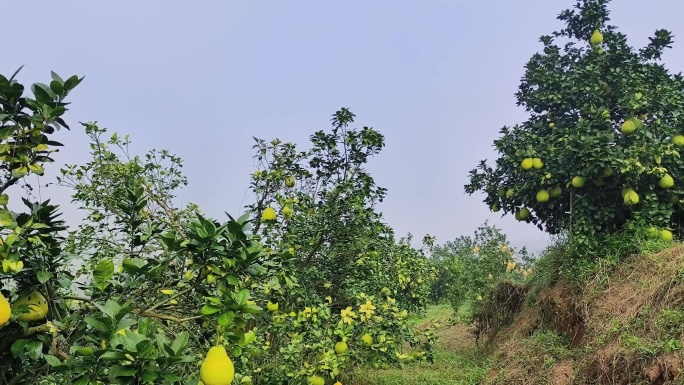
point(436, 77)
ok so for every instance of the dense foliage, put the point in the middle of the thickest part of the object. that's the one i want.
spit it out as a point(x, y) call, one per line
point(470, 266)
point(141, 289)
point(602, 144)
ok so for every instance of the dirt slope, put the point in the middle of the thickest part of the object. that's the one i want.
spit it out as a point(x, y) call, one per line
point(626, 327)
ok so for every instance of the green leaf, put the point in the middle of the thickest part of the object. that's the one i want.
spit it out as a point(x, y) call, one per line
point(241, 297)
point(209, 310)
point(132, 265)
point(43, 93)
point(149, 376)
point(4, 199)
point(43, 276)
point(252, 309)
point(34, 349)
point(19, 172)
point(56, 87)
point(236, 351)
point(18, 347)
point(232, 280)
point(36, 169)
point(56, 77)
point(52, 360)
point(110, 308)
point(180, 342)
point(11, 238)
point(113, 356)
point(82, 380)
point(247, 338)
point(117, 371)
point(103, 273)
point(226, 318)
point(6, 219)
point(96, 324)
point(71, 83)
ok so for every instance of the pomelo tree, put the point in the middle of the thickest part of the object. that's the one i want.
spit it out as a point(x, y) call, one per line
point(141, 289)
point(601, 147)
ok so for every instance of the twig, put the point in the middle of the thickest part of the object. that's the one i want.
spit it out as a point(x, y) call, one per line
point(164, 316)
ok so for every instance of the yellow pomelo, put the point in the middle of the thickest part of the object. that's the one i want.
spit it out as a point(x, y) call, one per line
point(652, 231)
point(217, 368)
point(524, 213)
point(502, 192)
point(666, 181)
point(272, 306)
point(495, 208)
point(678, 140)
point(631, 198)
point(290, 182)
point(537, 163)
point(628, 127)
point(596, 37)
point(269, 214)
point(341, 347)
point(542, 196)
point(527, 163)
point(37, 307)
point(287, 212)
point(666, 235)
point(316, 380)
point(367, 339)
point(5, 310)
point(555, 192)
point(578, 182)
point(607, 172)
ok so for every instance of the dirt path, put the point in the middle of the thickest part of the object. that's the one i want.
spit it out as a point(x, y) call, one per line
point(458, 339)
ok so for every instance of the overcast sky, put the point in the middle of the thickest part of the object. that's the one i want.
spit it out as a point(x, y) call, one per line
point(436, 77)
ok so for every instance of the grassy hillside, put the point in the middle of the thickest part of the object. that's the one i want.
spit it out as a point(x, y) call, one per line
point(624, 326)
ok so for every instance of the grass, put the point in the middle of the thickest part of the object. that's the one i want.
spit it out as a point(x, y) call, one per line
point(457, 360)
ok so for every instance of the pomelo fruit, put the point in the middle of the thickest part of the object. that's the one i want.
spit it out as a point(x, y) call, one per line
point(596, 37)
point(542, 196)
point(555, 192)
point(527, 164)
point(678, 140)
point(341, 347)
point(578, 182)
point(666, 181)
point(290, 182)
point(631, 198)
point(628, 127)
point(666, 235)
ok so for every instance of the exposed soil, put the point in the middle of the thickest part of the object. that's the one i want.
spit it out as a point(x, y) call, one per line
point(614, 327)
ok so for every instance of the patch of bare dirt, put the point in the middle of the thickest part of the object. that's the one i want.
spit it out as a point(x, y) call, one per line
point(457, 338)
point(562, 373)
